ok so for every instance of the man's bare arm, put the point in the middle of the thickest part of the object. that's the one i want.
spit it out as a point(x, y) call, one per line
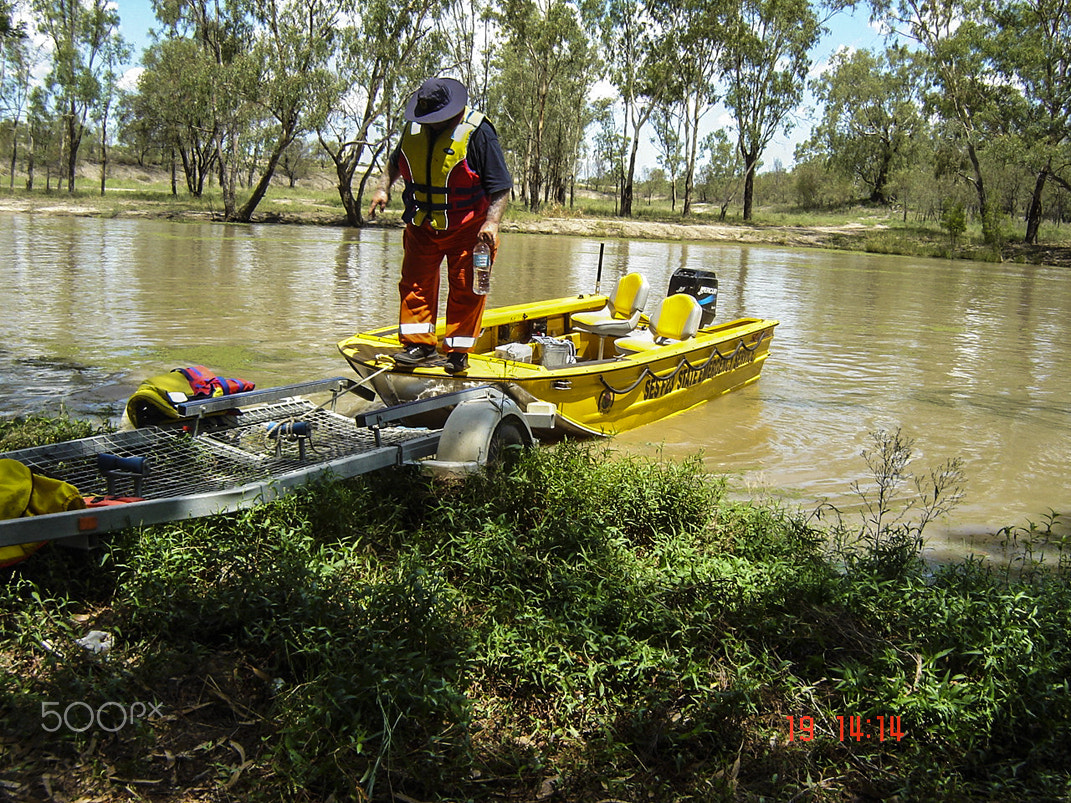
point(381, 196)
point(495, 211)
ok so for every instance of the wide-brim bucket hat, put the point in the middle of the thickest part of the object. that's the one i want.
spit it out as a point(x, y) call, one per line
point(436, 101)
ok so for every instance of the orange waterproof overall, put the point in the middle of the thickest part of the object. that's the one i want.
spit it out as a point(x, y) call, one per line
point(425, 248)
point(445, 210)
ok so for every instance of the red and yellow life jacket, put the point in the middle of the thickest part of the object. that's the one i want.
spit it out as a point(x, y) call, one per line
point(155, 398)
point(440, 186)
point(204, 383)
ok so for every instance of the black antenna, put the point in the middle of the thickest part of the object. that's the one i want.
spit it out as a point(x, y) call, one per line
point(598, 276)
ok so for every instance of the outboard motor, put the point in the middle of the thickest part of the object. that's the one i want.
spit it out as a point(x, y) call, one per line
point(702, 285)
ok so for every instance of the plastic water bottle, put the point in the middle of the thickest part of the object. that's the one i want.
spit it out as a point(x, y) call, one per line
point(481, 269)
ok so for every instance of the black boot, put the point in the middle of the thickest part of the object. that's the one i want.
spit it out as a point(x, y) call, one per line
point(457, 362)
point(414, 354)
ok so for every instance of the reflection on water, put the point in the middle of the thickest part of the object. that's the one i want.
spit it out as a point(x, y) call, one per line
point(972, 360)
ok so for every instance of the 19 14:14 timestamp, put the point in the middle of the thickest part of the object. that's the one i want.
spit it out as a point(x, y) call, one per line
point(879, 728)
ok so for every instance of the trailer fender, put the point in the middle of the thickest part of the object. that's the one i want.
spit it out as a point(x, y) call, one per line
point(480, 432)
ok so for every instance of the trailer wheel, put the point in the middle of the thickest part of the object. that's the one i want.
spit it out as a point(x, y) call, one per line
point(508, 441)
point(490, 431)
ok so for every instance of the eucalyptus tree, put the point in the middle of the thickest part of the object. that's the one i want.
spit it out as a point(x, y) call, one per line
point(765, 66)
point(701, 28)
point(175, 106)
point(1030, 45)
point(638, 48)
point(386, 49)
point(607, 146)
point(720, 177)
point(42, 134)
point(964, 88)
point(205, 57)
point(545, 69)
point(667, 141)
point(471, 37)
point(568, 146)
point(116, 51)
point(16, 70)
point(294, 47)
point(78, 33)
point(871, 116)
point(259, 73)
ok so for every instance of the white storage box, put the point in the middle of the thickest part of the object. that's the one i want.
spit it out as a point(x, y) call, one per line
point(518, 352)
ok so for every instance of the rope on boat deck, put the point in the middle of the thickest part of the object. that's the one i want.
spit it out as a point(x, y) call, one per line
point(740, 346)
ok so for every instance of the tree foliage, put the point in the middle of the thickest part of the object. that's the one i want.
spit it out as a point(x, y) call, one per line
point(871, 118)
point(545, 71)
point(766, 64)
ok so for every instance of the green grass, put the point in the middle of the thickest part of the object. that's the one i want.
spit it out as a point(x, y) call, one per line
point(33, 430)
point(588, 625)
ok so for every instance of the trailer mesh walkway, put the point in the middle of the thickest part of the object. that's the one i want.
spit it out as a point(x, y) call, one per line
point(257, 455)
point(177, 464)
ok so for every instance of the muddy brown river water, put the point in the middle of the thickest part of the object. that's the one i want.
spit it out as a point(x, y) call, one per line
point(972, 360)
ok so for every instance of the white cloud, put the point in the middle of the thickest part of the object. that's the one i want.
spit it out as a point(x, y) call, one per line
point(820, 68)
point(129, 80)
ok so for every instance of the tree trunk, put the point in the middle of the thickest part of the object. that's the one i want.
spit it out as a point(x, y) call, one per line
point(988, 223)
point(364, 182)
point(228, 176)
point(74, 141)
point(14, 153)
point(29, 159)
point(750, 163)
point(349, 203)
point(537, 156)
point(1033, 215)
point(346, 159)
point(245, 214)
point(627, 183)
point(689, 170)
point(878, 195)
point(103, 158)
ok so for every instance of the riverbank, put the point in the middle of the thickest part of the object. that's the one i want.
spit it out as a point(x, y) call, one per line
point(873, 231)
point(581, 629)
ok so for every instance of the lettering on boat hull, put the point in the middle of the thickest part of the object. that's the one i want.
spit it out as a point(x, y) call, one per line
point(688, 377)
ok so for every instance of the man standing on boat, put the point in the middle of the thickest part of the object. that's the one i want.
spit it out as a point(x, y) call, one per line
point(457, 186)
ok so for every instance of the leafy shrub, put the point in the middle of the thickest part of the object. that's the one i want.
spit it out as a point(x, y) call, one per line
point(583, 626)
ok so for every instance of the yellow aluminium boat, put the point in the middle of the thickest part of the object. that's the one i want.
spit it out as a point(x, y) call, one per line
point(594, 362)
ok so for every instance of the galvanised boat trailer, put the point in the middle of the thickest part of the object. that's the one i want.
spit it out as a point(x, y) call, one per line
point(278, 441)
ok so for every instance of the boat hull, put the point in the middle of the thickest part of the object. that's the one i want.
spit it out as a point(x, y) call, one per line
point(591, 396)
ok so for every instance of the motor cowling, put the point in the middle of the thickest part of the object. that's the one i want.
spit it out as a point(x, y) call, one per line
point(702, 285)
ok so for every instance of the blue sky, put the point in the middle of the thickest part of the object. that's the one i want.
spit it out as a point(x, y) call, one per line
point(847, 30)
point(136, 17)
